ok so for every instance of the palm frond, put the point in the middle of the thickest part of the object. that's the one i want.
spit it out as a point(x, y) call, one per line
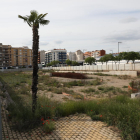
point(29, 24)
point(44, 22)
point(44, 15)
point(39, 16)
point(33, 16)
point(24, 18)
point(34, 19)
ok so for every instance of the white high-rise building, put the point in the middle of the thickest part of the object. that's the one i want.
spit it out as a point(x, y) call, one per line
point(79, 55)
point(42, 56)
point(71, 56)
point(56, 55)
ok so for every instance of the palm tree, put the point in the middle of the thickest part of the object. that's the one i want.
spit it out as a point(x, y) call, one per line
point(34, 20)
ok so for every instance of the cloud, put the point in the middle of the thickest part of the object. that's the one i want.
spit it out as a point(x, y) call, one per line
point(131, 35)
point(128, 20)
point(59, 42)
point(42, 43)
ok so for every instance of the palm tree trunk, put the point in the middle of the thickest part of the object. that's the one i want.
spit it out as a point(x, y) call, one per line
point(35, 68)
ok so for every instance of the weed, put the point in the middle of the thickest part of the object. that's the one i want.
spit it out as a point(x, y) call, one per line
point(78, 96)
point(125, 87)
point(65, 98)
point(96, 92)
point(102, 74)
point(52, 95)
point(101, 88)
point(95, 82)
point(88, 90)
point(48, 126)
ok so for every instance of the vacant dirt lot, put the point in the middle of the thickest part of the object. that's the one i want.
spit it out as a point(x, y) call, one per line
point(119, 85)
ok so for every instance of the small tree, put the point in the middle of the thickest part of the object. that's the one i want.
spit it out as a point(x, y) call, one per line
point(101, 60)
point(90, 60)
point(134, 56)
point(68, 62)
point(49, 64)
point(107, 57)
point(116, 59)
point(74, 63)
point(55, 62)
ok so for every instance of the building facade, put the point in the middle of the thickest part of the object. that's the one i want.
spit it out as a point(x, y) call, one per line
point(98, 53)
point(5, 55)
point(71, 56)
point(11, 56)
point(38, 58)
point(21, 56)
point(56, 55)
point(79, 55)
point(42, 56)
point(87, 54)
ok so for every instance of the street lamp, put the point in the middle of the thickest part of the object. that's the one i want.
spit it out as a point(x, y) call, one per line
point(83, 53)
point(118, 46)
point(112, 60)
point(112, 51)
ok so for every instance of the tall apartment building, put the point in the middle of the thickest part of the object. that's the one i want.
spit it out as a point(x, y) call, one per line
point(98, 53)
point(56, 55)
point(42, 56)
point(21, 56)
point(11, 56)
point(5, 55)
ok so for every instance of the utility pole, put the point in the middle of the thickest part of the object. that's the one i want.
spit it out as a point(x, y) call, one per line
point(112, 60)
point(118, 46)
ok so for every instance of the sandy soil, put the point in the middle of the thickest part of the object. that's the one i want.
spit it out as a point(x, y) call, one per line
point(106, 81)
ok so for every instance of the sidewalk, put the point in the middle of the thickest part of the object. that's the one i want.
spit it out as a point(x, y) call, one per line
point(74, 127)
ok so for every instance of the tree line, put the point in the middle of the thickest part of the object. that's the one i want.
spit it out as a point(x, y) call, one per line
point(104, 59)
point(122, 56)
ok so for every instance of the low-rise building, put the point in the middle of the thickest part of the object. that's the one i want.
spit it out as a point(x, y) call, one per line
point(87, 54)
point(98, 53)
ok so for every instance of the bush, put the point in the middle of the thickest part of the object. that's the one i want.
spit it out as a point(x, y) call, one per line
point(95, 82)
point(88, 90)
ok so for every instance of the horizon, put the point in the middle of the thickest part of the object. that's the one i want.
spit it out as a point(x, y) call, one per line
point(74, 25)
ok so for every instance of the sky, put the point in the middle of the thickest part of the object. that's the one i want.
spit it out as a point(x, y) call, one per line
point(87, 25)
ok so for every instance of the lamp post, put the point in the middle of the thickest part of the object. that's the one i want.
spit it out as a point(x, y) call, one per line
point(112, 60)
point(118, 46)
point(83, 54)
point(112, 51)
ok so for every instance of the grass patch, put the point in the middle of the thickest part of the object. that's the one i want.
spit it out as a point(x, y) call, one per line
point(89, 90)
point(102, 74)
point(120, 111)
point(125, 87)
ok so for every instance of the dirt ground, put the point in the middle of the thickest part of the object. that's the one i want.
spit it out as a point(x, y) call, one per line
point(107, 81)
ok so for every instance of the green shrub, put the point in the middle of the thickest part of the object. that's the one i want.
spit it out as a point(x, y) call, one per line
point(95, 82)
point(101, 88)
point(89, 90)
point(102, 74)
